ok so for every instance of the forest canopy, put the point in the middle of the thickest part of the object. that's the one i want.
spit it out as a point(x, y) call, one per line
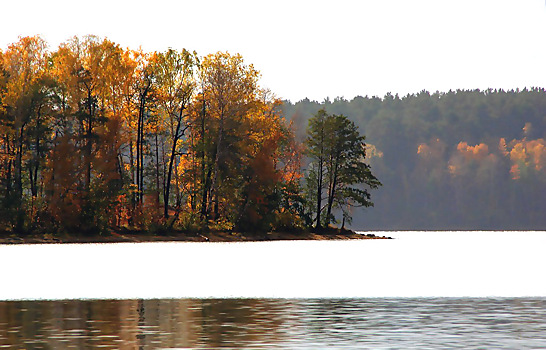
point(95, 137)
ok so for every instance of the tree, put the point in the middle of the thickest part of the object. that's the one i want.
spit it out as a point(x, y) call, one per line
point(229, 89)
point(90, 79)
point(240, 162)
point(316, 150)
point(337, 168)
point(24, 100)
point(175, 76)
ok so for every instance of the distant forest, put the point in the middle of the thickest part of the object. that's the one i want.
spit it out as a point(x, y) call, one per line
point(465, 159)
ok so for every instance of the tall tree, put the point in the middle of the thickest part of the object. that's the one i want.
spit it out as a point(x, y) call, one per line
point(316, 149)
point(229, 87)
point(145, 86)
point(337, 152)
point(90, 81)
point(23, 103)
point(175, 78)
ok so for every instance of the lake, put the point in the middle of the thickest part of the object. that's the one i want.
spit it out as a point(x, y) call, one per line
point(375, 323)
point(420, 290)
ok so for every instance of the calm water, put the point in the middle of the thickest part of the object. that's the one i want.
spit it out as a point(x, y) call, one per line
point(435, 323)
point(421, 290)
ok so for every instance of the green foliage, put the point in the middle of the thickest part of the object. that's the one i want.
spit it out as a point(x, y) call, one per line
point(337, 173)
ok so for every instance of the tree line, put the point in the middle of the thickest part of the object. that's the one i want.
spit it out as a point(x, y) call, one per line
point(457, 160)
point(95, 137)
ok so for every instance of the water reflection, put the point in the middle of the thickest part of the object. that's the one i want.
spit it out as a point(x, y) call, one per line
point(139, 324)
point(281, 323)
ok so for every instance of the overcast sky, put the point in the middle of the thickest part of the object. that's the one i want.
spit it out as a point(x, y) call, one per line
point(320, 49)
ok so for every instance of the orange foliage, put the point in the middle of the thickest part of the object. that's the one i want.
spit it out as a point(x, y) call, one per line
point(477, 152)
point(526, 155)
point(475, 160)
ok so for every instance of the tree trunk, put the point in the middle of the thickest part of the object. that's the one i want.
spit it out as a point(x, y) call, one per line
point(137, 168)
point(176, 137)
point(140, 144)
point(19, 165)
point(332, 192)
point(319, 196)
point(133, 181)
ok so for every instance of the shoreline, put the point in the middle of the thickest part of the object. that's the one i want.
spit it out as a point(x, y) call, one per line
point(139, 237)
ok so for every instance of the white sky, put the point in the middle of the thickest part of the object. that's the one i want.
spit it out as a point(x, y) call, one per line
point(320, 49)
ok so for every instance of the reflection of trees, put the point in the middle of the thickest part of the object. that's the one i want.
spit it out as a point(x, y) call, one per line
point(252, 323)
point(234, 322)
point(209, 322)
point(139, 324)
point(69, 324)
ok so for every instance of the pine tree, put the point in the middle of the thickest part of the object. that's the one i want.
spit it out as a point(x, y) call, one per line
point(337, 171)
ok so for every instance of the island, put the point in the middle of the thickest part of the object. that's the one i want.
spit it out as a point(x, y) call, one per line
point(99, 143)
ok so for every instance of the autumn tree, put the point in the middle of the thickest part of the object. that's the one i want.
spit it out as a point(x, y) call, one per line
point(5, 154)
point(337, 172)
point(89, 94)
point(271, 170)
point(229, 87)
point(144, 90)
point(176, 81)
point(240, 163)
point(24, 100)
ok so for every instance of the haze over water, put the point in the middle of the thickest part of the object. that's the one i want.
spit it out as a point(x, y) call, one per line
point(415, 264)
